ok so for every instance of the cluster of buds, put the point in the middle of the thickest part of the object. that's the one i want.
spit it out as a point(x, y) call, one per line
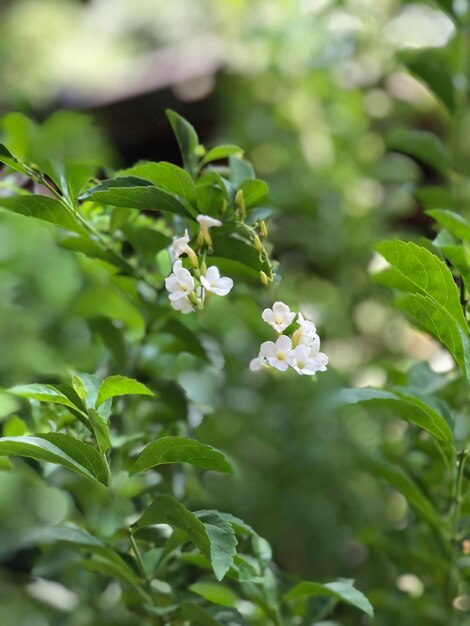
point(301, 351)
point(188, 288)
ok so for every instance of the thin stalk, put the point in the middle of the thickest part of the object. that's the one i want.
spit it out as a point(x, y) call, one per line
point(97, 235)
point(454, 515)
point(139, 561)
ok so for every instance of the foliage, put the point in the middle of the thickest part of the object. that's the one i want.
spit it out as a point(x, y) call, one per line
point(117, 443)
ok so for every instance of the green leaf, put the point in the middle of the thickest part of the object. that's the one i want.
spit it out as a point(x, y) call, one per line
point(73, 535)
point(100, 429)
point(43, 393)
point(60, 449)
point(405, 406)
point(166, 176)
point(428, 273)
point(434, 319)
point(196, 615)
point(215, 593)
point(187, 140)
point(435, 197)
point(393, 279)
point(455, 223)
point(240, 170)
point(223, 542)
point(424, 146)
point(135, 193)
point(215, 539)
point(410, 490)
point(431, 68)
point(180, 450)
point(457, 254)
point(45, 209)
point(121, 386)
point(12, 162)
point(72, 177)
point(221, 152)
point(239, 252)
point(254, 190)
point(340, 590)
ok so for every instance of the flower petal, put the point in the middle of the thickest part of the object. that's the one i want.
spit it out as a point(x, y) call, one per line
point(224, 287)
point(255, 364)
point(284, 343)
point(282, 366)
point(268, 316)
point(213, 274)
point(268, 349)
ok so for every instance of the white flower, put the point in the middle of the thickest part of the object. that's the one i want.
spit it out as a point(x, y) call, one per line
point(308, 360)
point(306, 333)
point(180, 283)
point(277, 354)
point(183, 305)
point(214, 282)
point(307, 327)
point(206, 222)
point(180, 246)
point(256, 364)
point(279, 317)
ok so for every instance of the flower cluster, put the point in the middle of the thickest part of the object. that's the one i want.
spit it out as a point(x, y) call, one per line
point(188, 288)
point(301, 351)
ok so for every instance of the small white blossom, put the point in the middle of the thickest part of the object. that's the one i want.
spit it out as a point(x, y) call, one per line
point(180, 283)
point(279, 317)
point(180, 246)
point(308, 360)
point(277, 354)
point(214, 282)
point(256, 364)
point(183, 305)
point(307, 327)
point(206, 222)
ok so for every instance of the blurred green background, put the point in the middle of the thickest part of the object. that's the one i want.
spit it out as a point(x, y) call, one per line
point(311, 89)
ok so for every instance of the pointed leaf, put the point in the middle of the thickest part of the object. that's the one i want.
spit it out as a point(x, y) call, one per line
point(8, 159)
point(166, 176)
point(428, 273)
point(120, 386)
point(215, 540)
point(187, 140)
point(405, 406)
point(59, 449)
point(455, 223)
point(423, 146)
point(43, 393)
point(430, 66)
point(342, 589)
point(221, 152)
point(434, 319)
point(180, 450)
point(43, 208)
point(136, 193)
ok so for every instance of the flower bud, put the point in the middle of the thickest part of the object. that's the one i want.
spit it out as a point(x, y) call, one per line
point(258, 244)
point(240, 204)
point(264, 279)
point(193, 299)
point(200, 239)
point(192, 257)
point(263, 229)
point(223, 207)
point(203, 268)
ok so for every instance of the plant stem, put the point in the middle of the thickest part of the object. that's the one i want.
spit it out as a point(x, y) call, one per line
point(136, 272)
point(139, 561)
point(454, 514)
